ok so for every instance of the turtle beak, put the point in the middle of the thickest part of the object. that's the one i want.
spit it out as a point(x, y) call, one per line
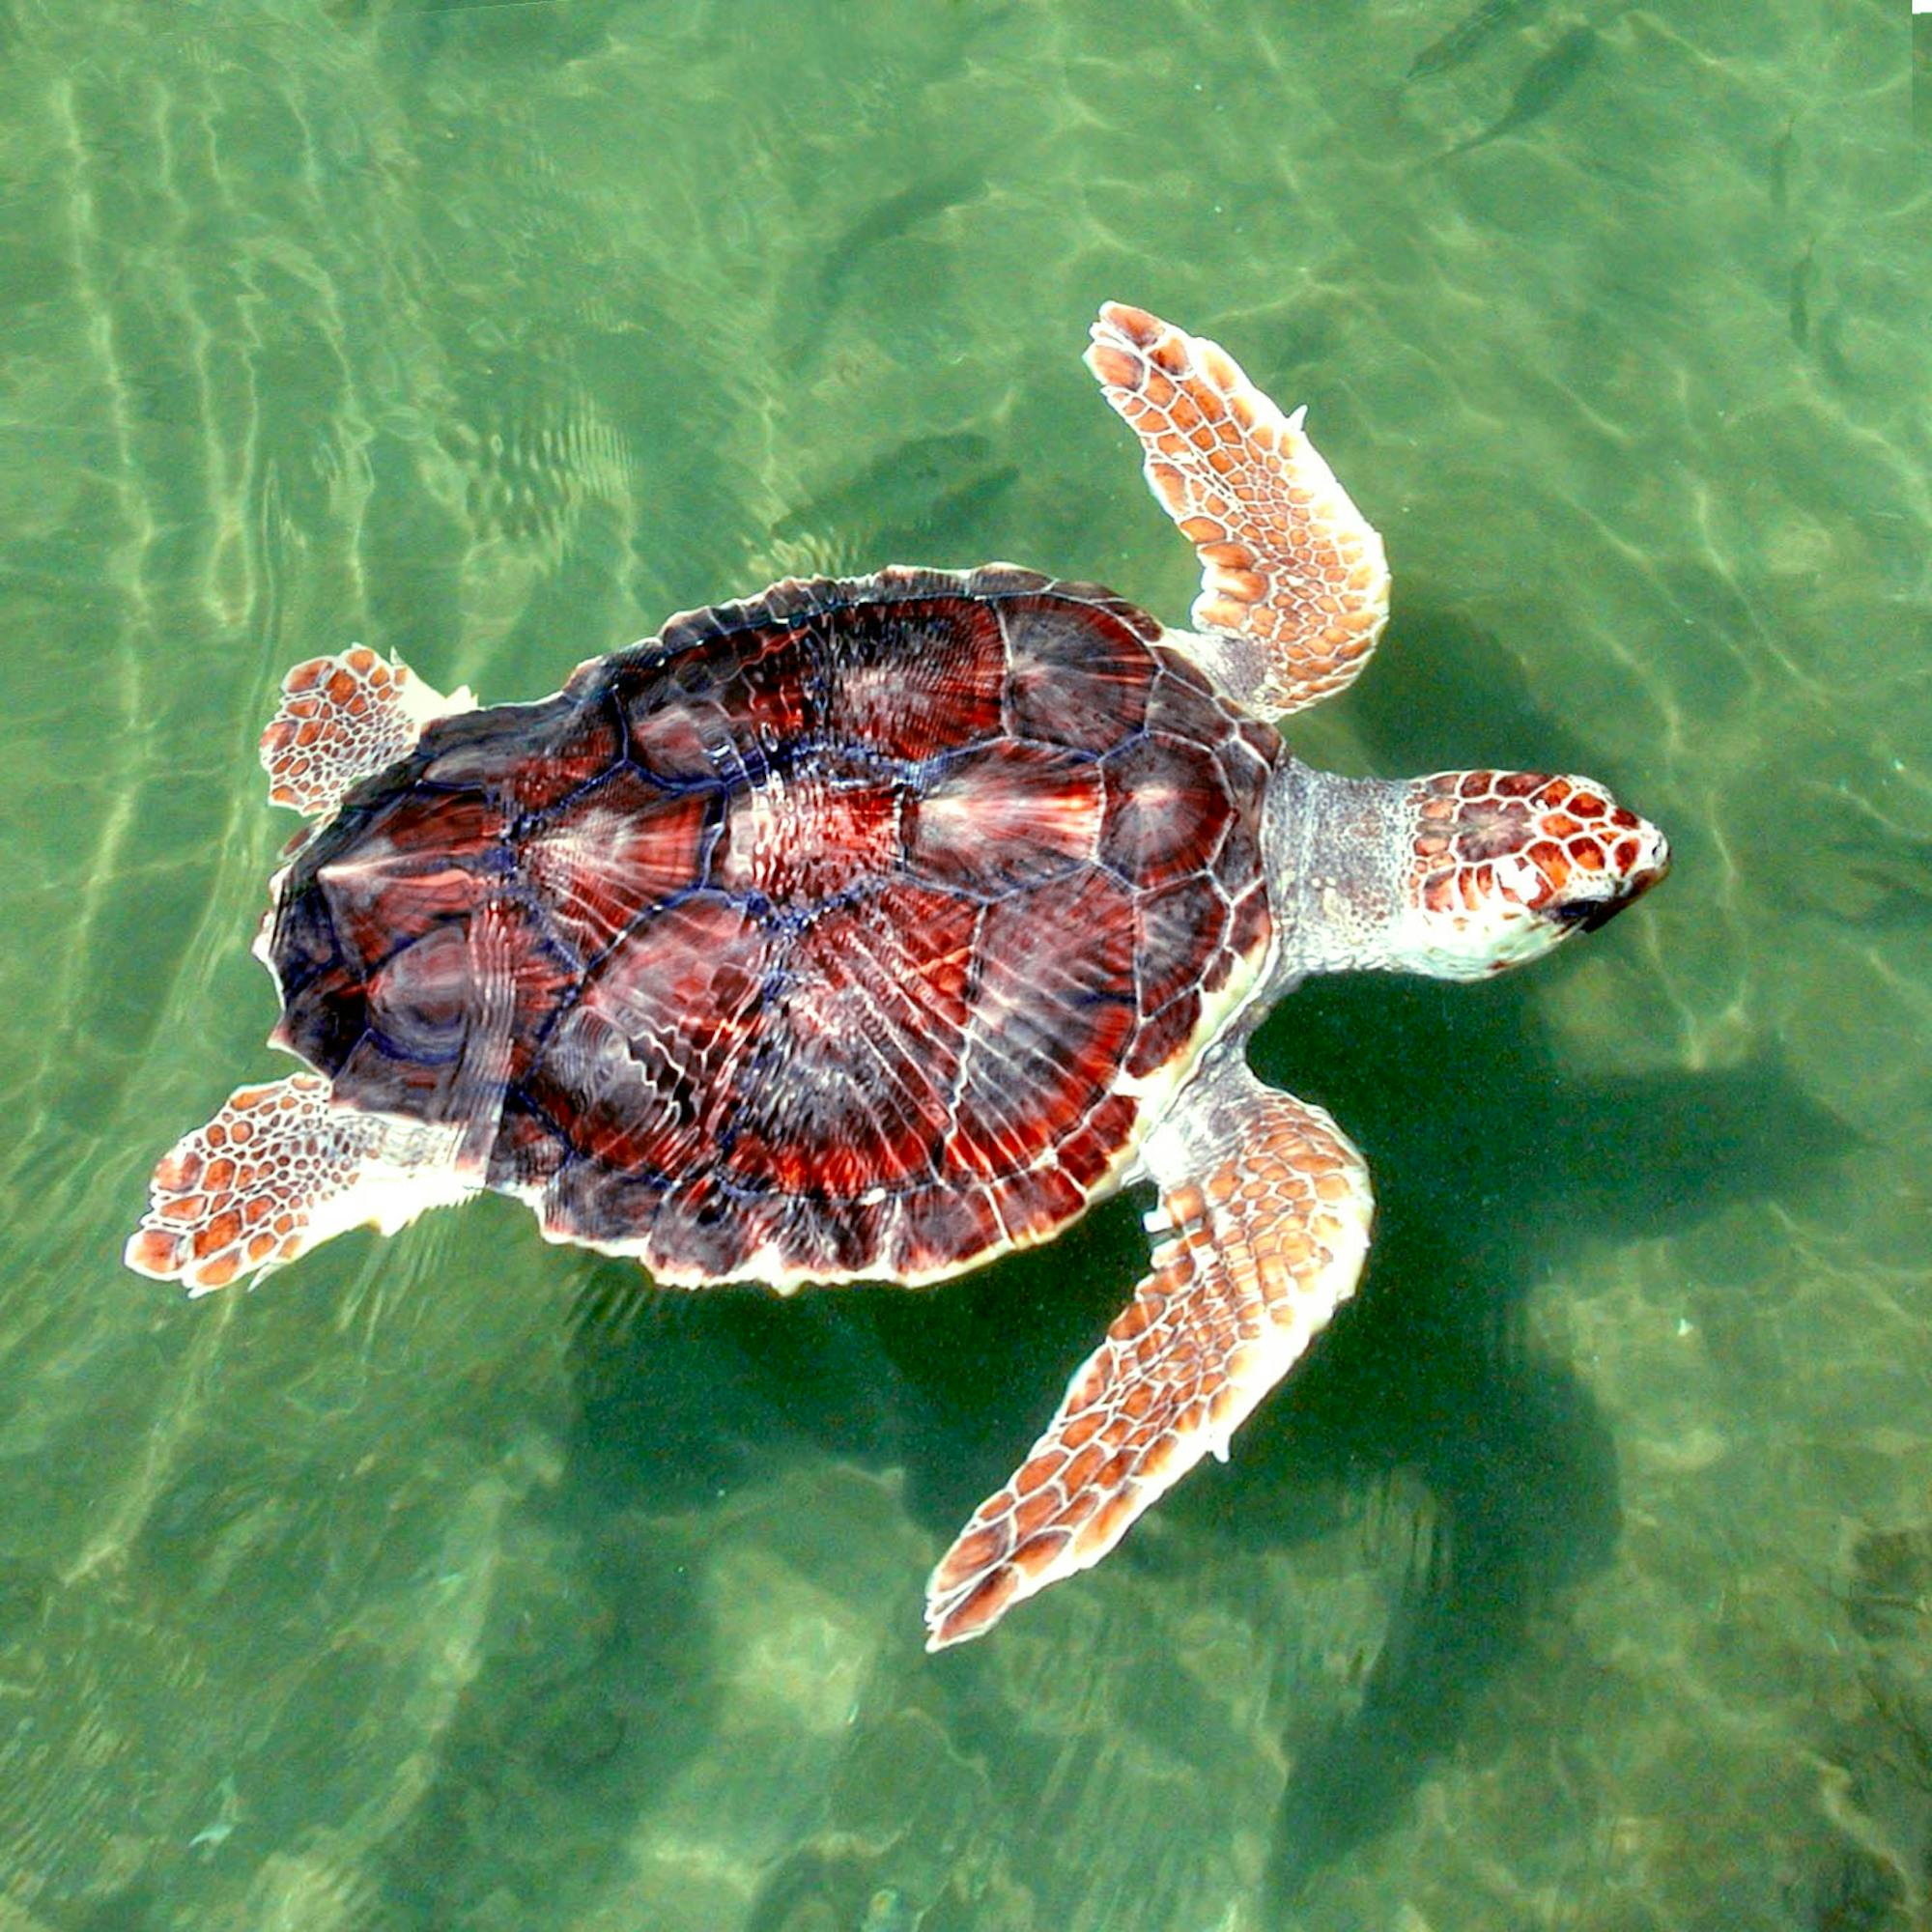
point(1625, 887)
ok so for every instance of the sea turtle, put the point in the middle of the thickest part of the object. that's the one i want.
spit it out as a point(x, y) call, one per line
point(878, 926)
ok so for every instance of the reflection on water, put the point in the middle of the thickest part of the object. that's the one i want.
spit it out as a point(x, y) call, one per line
point(1580, 1579)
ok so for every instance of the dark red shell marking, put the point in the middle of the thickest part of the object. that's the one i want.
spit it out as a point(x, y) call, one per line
point(831, 922)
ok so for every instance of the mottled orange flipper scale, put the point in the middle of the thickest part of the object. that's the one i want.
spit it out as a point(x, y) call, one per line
point(1264, 1216)
point(1291, 574)
point(258, 1185)
point(342, 719)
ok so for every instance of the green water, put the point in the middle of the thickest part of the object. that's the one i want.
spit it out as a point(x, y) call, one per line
point(1583, 1579)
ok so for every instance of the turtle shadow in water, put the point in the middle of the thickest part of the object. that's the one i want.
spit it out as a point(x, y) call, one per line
point(1490, 1162)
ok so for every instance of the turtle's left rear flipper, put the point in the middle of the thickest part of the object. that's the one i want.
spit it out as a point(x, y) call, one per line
point(283, 1166)
point(344, 719)
point(1264, 1223)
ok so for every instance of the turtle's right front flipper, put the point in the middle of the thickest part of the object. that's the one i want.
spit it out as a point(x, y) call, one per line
point(342, 719)
point(1266, 1210)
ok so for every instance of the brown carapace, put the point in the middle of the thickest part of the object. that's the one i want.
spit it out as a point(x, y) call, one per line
point(842, 924)
point(878, 926)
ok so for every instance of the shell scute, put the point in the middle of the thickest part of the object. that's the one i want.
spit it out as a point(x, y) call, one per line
point(1167, 810)
point(920, 678)
point(1165, 1034)
point(1086, 1152)
point(628, 1078)
point(1004, 815)
point(1182, 705)
point(610, 853)
point(490, 751)
point(1249, 931)
point(943, 1220)
point(1034, 1202)
point(813, 837)
point(585, 749)
point(420, 1013)
point(1054, 1007)
point(392, 869)
point(683, 740)
point(1079, 674)
point(876, 987)
point(1177, 932)
point(1240, 859)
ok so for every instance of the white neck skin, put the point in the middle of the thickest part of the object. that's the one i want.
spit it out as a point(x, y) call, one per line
point(1337, 856)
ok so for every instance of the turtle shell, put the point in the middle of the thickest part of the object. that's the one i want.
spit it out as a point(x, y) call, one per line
point(858, 928)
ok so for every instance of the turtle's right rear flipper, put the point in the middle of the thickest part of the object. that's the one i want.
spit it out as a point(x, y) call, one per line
point(277, 1169)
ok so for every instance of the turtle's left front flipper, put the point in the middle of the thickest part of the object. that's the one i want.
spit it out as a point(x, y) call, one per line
point(1295, 584)
point(1264, 1217)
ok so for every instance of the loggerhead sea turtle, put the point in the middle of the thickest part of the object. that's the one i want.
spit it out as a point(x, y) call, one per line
point(878, 926)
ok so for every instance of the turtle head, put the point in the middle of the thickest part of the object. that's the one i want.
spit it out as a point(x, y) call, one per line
point(1502, 866)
